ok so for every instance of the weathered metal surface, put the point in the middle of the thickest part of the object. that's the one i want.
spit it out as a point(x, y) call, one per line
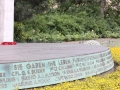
point(36, 65)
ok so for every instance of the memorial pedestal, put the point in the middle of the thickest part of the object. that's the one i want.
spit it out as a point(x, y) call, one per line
point(33, 64)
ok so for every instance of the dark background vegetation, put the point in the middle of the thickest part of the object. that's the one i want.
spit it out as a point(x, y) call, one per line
point(66, 20)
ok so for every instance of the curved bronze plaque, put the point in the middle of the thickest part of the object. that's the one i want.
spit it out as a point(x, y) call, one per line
point(46, 72)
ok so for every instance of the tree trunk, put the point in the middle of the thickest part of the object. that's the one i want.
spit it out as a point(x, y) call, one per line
point(102, 5)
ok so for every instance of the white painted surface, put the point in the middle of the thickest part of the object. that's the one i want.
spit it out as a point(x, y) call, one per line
point(6, 20)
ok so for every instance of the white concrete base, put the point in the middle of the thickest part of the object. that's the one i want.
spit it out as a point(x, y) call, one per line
point(6, 20)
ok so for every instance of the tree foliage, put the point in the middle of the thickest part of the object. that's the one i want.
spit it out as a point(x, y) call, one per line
point(26, 8)
point(68, 20)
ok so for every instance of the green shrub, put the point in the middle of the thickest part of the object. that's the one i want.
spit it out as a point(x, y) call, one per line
point(110, 34)
point(88, 35)
point(18, 31)
point(67, 26)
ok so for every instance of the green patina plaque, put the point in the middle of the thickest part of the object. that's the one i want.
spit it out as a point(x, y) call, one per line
point(47, 72)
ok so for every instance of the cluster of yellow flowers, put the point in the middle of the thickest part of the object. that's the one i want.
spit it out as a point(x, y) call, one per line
point(107, 82)
point(116, 54)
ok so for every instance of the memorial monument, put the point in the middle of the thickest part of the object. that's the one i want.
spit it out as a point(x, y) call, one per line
point(6, 20)
point(28, 65)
